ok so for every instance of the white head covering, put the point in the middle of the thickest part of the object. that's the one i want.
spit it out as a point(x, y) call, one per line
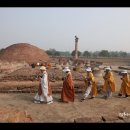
point(107, 68)
point(124, 72)
point(42, 68)
point(66, 69)
point(38, 63)
point(88, 69)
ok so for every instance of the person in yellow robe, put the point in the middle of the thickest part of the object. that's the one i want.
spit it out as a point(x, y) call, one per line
point(109, 83)
point(67, 93)
point(125, 85)
point(90, 85)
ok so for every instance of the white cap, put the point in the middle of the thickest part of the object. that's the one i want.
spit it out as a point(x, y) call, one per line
point(124, 72)
point(66, 69)
point(38, 63)
point(88, 69)
point(107, 68)
point(42, 68)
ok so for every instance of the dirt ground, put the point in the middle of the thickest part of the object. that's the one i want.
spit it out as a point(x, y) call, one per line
point(91, 110)
point(95, 109)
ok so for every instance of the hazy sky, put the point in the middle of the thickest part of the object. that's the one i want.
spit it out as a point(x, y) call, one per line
point(97, 28)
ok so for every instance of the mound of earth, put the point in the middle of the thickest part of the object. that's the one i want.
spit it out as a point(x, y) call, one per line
point(23, 52)
point(28, 73)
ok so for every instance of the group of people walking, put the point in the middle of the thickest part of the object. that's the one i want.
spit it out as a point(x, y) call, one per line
point(44, 93)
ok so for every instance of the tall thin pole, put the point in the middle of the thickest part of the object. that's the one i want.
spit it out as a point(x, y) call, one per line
point(76, 47)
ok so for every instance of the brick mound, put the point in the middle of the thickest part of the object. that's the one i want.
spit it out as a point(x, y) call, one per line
point(22, 74)
point(9, 67)
point(23, 52)
point(14, 116)
point(58, 74)
point(28, 73)
point(21, 80)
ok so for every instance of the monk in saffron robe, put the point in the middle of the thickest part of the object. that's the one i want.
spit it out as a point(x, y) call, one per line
point(44, 93)
point(90, 85)
point(109, 83)
point(67, 93)
point(125, 85)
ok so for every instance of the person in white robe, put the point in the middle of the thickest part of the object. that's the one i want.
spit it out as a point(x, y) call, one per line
point(44, 94)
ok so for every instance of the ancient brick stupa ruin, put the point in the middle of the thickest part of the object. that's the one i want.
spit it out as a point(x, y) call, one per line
point(23, 52)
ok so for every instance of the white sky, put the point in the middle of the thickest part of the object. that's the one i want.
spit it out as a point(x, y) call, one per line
point(97, 28)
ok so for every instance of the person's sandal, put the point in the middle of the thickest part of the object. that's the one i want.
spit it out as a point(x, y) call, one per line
point(49, 102)
point(119, 95)
point(91, 97)
point(37, 102)
point(82, 100)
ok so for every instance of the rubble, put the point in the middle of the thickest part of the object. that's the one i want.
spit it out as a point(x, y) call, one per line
point(14, 116)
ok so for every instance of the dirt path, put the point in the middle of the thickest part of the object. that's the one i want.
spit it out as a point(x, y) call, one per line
point(66, 112)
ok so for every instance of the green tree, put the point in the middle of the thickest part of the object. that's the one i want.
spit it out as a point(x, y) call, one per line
point(51, 52)
point(86, 53)
point(57, 53)
point(123, 54)
point(73, 53)
point(104, 53)
point(114, 54)
point(66, 53)
point(95, 54)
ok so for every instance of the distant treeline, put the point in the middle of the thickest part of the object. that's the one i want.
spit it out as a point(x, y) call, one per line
point(102, 53)
point(88, 54)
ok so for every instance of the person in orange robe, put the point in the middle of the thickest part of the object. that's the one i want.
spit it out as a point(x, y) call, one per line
point(125, 85)
point(67, 93)
point(90, 85)
point(109, 83)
